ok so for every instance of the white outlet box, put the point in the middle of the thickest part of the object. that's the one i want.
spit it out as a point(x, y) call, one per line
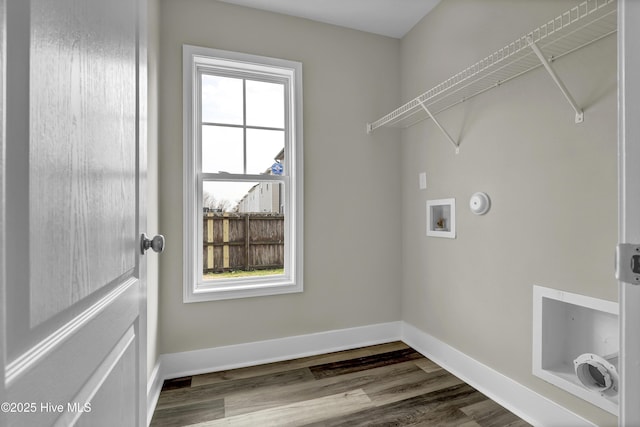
point(422, 179)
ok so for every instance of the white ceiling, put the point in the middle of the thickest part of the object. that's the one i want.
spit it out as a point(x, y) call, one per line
point(393, 18)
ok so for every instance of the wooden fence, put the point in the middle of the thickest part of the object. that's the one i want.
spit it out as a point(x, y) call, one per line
point(242, 241)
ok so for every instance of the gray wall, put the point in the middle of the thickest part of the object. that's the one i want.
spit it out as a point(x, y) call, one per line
point(552, 184)
point(352, 236)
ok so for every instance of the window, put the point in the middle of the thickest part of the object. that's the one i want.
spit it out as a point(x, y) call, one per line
point(242, 175)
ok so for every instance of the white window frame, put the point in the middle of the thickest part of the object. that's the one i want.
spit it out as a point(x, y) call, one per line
point(195, 289)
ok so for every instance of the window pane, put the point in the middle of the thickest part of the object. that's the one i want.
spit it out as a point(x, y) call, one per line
point(222, 149)
point(263, 148)
point(265, 104)
point(221, 100)
point(243, 229)
point(224, 196)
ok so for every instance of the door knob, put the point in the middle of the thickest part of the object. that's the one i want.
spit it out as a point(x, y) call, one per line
point(157, 243)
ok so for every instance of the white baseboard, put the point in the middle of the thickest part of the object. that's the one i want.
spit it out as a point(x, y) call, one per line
point(196, 362)
point(522, 401)
point(154, 386)
point(528, 405)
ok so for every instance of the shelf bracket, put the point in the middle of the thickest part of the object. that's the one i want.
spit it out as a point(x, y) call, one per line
point(369, 128)
point(455, 144)
point(556, 79)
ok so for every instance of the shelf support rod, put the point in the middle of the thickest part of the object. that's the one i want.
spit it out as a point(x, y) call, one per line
point(455, 144)
point(556, 79)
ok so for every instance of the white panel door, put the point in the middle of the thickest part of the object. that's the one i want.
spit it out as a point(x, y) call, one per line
point(73, 300)
point(629, 203)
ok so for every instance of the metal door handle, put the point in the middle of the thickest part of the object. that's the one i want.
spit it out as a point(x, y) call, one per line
point(157, 243)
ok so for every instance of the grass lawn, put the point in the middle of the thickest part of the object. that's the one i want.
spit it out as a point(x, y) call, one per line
point(241, 273)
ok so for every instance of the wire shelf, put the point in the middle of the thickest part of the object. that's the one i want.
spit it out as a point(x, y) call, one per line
point(580, 26)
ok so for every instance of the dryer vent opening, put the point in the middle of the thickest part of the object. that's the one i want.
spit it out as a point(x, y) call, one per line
point(597, 373)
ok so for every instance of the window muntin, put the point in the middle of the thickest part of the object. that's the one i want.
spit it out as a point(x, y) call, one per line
point(242, 121)
point(243, 137)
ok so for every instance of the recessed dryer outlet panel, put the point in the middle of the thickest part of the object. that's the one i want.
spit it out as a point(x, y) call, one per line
point(575, 345)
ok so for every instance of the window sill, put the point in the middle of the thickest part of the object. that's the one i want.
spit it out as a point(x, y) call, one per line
point(207, 292)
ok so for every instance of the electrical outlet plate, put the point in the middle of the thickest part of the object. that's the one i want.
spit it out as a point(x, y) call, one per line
point(422, 179)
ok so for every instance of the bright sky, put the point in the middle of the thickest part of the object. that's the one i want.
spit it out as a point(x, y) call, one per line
point(223, 146)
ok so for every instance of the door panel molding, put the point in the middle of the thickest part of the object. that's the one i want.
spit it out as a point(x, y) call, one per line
point(48, 345)
point(97, 380)
point(59, 376)
point(82, 161)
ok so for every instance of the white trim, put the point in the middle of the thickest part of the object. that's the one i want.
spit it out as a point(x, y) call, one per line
point(629, 204)
point(196, 59)
point(154, 387)
point(525, 403)
point(195, 362)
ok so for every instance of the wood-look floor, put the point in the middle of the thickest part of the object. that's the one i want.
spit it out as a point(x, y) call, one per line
point(383, 385)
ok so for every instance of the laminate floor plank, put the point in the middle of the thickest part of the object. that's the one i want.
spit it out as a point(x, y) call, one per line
point(252, 400)
point(301, 413)
point(363, 363)
point(304, 362)
point(189, 414)
point(439, 408)
point(227, 389)
point(398, 388)
point(488, 413)
point(383, 385)
point(427, 365)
